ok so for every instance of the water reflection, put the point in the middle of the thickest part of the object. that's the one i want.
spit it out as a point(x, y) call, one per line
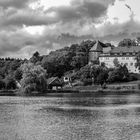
point(88, 118)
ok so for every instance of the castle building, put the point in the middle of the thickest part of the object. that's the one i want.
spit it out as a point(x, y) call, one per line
point(98, 49)
point(124, 55)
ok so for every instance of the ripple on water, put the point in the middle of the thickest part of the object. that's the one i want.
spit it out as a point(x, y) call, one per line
point(68, 119)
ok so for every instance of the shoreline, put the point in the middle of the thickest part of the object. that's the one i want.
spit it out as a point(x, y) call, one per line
point(72, 93)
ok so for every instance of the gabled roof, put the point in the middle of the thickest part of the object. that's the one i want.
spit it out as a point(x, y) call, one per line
point(126, 49)
point(53, 80)
point(98, 47)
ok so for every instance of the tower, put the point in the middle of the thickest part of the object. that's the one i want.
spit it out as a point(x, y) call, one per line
point(95, 51)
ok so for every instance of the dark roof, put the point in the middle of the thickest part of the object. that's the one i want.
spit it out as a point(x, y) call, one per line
point(98, 46)
point(126, 49)
point(54, 81)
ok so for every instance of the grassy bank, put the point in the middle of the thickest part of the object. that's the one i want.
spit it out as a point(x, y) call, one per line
point(83, 91)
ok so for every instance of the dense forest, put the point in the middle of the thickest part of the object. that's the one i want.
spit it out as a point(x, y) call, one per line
point(32, 73)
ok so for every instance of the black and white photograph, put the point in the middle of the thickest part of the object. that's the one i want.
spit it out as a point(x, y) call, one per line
point(69, 69)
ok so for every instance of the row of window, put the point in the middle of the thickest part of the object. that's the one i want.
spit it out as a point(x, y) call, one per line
point(123, 58)
point(134, 53)
point(131, 64)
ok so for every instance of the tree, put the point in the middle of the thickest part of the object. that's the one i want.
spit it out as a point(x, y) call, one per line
point(116, 62)
point(18, 74)
point(102, 77)
point(119, 74)
point(2, 84)
point(137, 65)
point(10, 82)
point(127, 42)
point(33, 79)
point(35, 58)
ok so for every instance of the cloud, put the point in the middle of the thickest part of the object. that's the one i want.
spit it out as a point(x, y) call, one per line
point(63, 25)
point(79, 11)
point(118, 31)
point(18, 13)
point(14, 3)
point(28, 18)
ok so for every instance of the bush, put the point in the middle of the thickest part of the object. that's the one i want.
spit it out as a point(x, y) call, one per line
point(139, 86)
point(2, 84)
point(87, 82)
point(10, 83)
point(133, 77)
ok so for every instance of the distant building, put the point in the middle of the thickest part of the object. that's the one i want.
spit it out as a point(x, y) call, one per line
point(54, 83)
point(124, 55)
point(96, 50)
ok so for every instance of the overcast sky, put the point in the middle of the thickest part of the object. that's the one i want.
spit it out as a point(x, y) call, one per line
point(27, 26)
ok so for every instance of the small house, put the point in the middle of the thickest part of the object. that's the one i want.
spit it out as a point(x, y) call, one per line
point(54, 83)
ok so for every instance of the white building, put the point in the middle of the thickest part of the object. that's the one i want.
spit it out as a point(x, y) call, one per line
point(129, 61)
point(124, 55)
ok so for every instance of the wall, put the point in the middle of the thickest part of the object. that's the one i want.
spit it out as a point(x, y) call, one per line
point(93, 56)
point(128, 60)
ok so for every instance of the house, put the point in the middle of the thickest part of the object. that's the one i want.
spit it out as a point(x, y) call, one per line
point(124, 55)
point(68, 77)
point(54, 83)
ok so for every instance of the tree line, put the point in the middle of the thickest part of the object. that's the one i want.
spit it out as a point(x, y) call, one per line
point(32, 74)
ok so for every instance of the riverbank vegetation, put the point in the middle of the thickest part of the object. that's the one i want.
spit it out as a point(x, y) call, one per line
point(31, 75)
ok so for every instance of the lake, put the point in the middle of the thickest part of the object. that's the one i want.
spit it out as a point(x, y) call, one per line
point(110, 117)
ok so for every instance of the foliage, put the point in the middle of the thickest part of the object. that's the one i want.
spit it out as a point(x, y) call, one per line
point(2, 84)
point(85, 73)
point(36, 58)
point(138, 61)
point(87, 82)
point(68, 58)
point(33, 79)
point(97, 74)
point(10, 82)
point(133, 77)
point(116, 62)
point(127, 42)
point(18, 74)
point(102, 77)
point(9, 66)
point(119, 74)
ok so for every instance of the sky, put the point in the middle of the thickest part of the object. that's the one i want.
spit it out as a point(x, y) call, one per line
point(27, 26)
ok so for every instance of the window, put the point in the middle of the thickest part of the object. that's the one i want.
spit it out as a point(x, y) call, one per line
point(123, 58)
point(134, 53)
point(127, 58)
point(131, 64)
point(66, 78)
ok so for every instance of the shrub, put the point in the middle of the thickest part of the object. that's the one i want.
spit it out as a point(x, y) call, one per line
point(87, 82)
point(10, 83)
point(139, 86)
point(2, 84)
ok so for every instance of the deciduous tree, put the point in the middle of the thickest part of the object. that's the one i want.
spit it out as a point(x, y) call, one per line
point(33, 79)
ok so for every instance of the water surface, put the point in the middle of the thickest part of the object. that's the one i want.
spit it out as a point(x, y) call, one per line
point(91, 118)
